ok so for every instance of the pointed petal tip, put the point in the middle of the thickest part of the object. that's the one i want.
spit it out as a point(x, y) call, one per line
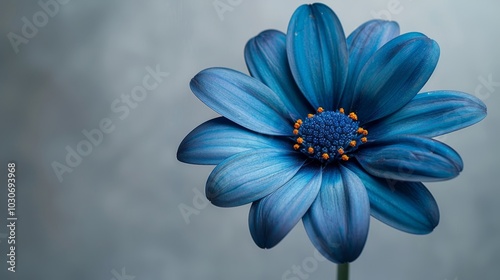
point(479, 103)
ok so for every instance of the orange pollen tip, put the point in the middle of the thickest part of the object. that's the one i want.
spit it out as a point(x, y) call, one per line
point(341, 151)
point(345, 158)
point(360, 130)
point(296, 146)
point(365, 132)
point(320, 110)
point(325, 156)
point(352, 143)
point(299, 121)
point(341, 110)
point(310, 115)
point(300, 140)
point(310, 150)
point(296, 125)
point(353, 116)
point(364, 139)
point(295, 131)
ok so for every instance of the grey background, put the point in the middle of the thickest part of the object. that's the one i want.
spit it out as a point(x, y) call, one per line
point(119, 208)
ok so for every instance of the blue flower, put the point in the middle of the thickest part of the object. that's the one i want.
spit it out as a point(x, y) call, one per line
point(329, 130)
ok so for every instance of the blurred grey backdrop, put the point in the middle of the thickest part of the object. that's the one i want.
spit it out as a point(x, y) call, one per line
point(70, 66)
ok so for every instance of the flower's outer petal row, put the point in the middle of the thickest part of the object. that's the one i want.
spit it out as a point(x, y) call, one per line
point(337, 222)
point(410, 158)
point(432, 114)
point(406, 206)
point(251, 175)
point(220, 138)
point(394, 75)
point(242, 99)
point(271, 218)
point(362, 44)
point(317, 53)
point(266, 60)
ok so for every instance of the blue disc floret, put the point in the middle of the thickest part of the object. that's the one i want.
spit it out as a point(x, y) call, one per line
point(329, 135)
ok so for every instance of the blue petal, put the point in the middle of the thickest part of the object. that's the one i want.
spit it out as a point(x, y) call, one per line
point(251, 175)
point(394, 75)
point(407, 206)
point(220, 138)
point(242, 99)
point(266, 59)
point(454, 110)
point(337, 222)
point(362, 44)
point(271, 218)
point(317, 52)
point(410, 158)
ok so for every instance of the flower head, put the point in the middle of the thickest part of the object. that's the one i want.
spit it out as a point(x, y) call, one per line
point(329, 130)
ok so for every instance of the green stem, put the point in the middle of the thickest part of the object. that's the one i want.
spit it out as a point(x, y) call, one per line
point(343, 271)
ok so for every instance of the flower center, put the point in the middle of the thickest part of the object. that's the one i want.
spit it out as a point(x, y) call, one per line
point(329, 135)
